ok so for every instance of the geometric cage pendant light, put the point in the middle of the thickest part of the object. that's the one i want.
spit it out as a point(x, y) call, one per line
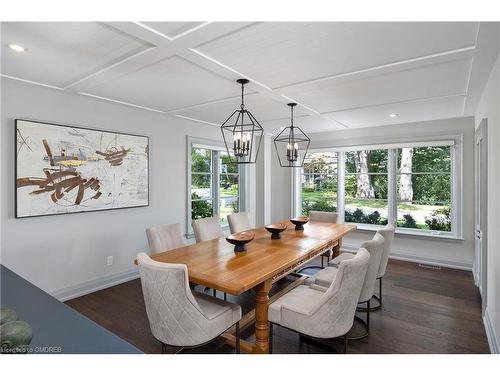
point(291, 144)
point(242, 133)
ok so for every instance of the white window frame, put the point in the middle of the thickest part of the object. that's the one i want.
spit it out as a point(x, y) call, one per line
point(297, 181)
point(242, 181)
point(453, 140)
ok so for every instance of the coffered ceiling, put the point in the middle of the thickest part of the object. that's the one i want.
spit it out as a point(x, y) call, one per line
point(342, 74)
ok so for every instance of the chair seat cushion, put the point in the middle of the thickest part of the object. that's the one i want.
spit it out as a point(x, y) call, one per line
point(325, 277)
point(336, 261)
point(214, 308)
point(302, 297)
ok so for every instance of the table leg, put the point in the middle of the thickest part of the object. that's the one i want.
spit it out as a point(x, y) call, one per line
point(336, 249)
point(261, 321)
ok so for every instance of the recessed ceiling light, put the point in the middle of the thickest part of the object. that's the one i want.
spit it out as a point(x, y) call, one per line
point(282, 127)
point(392, 115)
point(16, 47)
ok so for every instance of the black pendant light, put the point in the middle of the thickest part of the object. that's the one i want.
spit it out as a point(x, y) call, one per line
point(292, 144)
point(242, 133)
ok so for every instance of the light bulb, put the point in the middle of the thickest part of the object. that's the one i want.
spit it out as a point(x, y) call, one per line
point(16, 47)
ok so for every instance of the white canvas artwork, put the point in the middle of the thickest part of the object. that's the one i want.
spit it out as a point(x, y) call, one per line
point(64, 169)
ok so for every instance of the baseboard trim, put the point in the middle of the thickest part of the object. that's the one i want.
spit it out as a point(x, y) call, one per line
point(476, 277)
point(87, 287)
point(418, 259)
point(490, 333)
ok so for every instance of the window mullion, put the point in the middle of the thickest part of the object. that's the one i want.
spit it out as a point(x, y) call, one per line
point(242, 178)
point(215, 182)
point(455, 227)
point(392, 187)
point(341, 186)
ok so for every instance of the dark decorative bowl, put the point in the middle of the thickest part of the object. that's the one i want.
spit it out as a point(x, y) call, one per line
point(299, 222)
point(275, 230)
point(240, 239)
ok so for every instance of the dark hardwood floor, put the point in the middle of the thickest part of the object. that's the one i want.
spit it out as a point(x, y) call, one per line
point(425, 310)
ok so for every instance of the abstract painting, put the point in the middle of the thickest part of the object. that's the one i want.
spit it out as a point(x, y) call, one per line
point(65, 169)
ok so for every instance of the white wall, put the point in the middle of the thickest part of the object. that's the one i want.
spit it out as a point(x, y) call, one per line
point(281, 192)
point(489, 108)
point(452, 253)
point(59, 253)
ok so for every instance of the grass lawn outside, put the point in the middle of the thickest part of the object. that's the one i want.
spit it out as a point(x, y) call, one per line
point(417, 211)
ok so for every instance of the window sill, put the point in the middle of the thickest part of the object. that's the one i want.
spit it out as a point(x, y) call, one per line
point(400, 232)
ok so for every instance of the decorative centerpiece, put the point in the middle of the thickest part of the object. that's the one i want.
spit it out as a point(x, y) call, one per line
point(240, 239)
point(275, 230)
point(15, 334)
point(299, 222)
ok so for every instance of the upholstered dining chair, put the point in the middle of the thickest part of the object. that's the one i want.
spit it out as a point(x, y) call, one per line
point(327, 276)
point(239, 222)
point(207, 229)
point(306, 307)
point(177, 316)
point(388, 233)
point(325, 217)
point(165, 237)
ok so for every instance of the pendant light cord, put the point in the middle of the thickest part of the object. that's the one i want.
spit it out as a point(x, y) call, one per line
point(242, 106)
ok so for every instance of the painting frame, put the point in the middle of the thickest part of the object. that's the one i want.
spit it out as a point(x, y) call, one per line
point(85, 128)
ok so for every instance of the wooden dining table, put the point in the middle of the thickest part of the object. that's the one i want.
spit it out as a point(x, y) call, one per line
point(216, 265)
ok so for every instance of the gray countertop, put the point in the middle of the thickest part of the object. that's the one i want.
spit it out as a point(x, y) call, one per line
point(57, 328)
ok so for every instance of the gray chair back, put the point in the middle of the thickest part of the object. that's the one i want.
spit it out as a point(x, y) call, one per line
point(165, 237)
point(336, 306)
point(177, 316)
point(388, 233)
point(375, 247)
point(207, 229)
point(239, 222)
point(171, 307)
point(322, 216)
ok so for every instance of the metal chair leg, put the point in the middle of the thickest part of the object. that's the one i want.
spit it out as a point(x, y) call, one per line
point(368, 317)
point(346, 340)
point(317, 267)
point(365, 323)
point(380, 291)
point(163, 348)
point(215, 293)
point(378, 306)
point(238, 338)
point(225, 296)
point(270, 338)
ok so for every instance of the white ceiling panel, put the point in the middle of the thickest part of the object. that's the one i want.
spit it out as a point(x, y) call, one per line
point(263, 109)
point(172, 29)
point(408, 112)
point(351, 73)
point(351, 92)
point(169, 84)
point(282, 53)
point(309, 124)
point(58, 53)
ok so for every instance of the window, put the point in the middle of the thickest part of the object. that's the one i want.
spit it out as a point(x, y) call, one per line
point(228, 187)
point(215, 184)
point(202, 187)
point(366, 187)
point(424, 188)
point(319, 182)
point(416, 185)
